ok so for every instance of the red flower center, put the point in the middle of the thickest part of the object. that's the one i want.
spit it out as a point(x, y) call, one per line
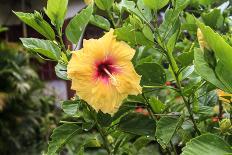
point(105, 69)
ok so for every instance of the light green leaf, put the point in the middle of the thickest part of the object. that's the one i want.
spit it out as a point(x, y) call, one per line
point(204, 70)
point(166, 128)
point(61, 71)
point(100, 21)
point(207, 144)
point(129, 34)
point(43, 47)
point(36, 21)
point(70, 107)
point(148, 33)
point(56, 11)
point(77, 25)
point(156, 4)
point(61, 136)
point(221, 48)
point(138, 124)
point(156, 105)
point(152, 74)
point(213, 18)
point(104, 4)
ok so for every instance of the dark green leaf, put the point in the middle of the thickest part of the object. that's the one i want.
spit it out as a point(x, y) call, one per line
point(166, 128)
point(61, 136)
point(138, 124)
point(207, 144)
point(152, 74)
point(77, 25)
point(44, 47)
point(36, 21)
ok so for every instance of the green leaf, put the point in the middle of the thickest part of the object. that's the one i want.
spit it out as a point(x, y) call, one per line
point(70, 107)
point(77, 25)
point(156, 4)
point(224, 74)
point(152, 74)
point(148, 33)
point(104, 119)
point(156, 105)
point(104, 4)
point(61, 136)
point(207, 144)
point(204, 70)
point(36, 21)
point(166, 128)
point(43, 47)
point(138, 124)
point(141, 10)
point(142, 142)
point(213, 18)
point(100, 21)
point(186, 58)
point(61, 71)
point(221, 48)
point(129, 34)
point(56, 11)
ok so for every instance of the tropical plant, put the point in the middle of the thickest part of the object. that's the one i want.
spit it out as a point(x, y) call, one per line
point(183, 53)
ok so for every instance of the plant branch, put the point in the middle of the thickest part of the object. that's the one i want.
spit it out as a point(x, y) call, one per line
point(101, 130)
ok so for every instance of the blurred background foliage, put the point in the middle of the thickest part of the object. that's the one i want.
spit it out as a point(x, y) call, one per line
point(27, 115)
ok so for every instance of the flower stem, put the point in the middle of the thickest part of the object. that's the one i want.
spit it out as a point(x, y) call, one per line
point(187, 104)
point(59, 32)
point(102, 132)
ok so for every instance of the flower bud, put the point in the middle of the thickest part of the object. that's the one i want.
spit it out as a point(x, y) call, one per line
point(201, 40)
point(225, 125)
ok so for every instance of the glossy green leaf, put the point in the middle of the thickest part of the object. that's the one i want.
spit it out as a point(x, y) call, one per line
point(56, 11)
point(138, 124)
point(36, 21)
point(204, 70)
point(156, 105)
point(166, 128)
point(156, 4)
point(104, 4)
point(152, 74)
point(100, 22)
point(61, 71)
point(61, 136)
point(70, 107)
point(77, 25)
point(207, 144)
point(44, 47)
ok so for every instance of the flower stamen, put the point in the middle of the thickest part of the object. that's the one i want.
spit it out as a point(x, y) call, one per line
point(114, 80)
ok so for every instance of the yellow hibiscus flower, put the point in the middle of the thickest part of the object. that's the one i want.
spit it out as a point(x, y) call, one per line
point(102, 73)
